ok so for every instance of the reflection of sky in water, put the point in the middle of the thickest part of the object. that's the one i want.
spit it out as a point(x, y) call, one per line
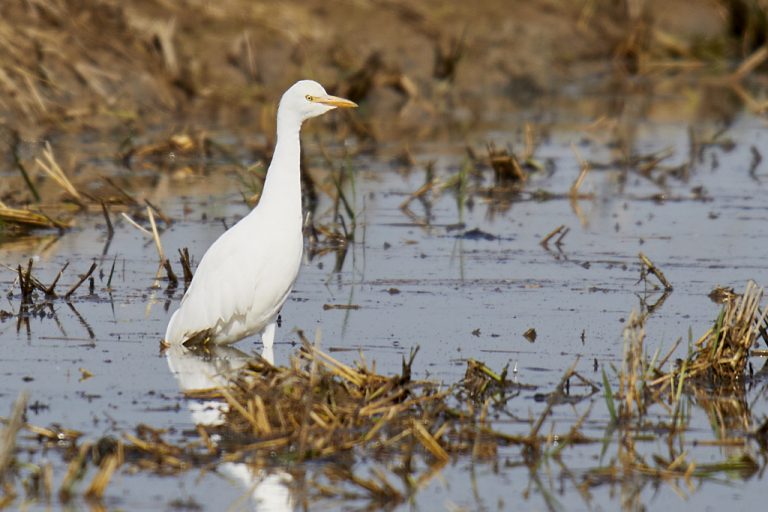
point(427, 288)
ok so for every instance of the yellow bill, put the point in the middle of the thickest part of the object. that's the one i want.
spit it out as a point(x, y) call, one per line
point(334, 101)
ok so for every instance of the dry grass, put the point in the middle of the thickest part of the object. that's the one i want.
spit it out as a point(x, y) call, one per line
point(714, 372)
point(51, 167)
point(23, 219)
point(319, 407)
point(722, 353)
point(718, 358)
point(9, 433)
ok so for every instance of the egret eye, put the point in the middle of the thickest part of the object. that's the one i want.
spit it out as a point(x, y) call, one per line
point(309, 97)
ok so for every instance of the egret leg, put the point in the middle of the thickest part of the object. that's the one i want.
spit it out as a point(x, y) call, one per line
point(268, 334)
point(268, 353)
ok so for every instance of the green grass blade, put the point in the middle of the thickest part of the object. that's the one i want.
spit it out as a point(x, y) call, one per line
point(609, 398)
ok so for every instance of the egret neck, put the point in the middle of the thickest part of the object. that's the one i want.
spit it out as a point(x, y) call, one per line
point(281, 194)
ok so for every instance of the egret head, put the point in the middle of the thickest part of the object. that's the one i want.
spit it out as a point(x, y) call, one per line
point(307, 98)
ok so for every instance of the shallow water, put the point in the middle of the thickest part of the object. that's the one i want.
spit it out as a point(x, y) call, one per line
point(425, 283)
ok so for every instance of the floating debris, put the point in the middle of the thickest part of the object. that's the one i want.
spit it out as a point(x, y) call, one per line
point(326, 307)
point(477, 234)
point(560, 230)
point(722, 294)
point(650, 267)
point(506, 167)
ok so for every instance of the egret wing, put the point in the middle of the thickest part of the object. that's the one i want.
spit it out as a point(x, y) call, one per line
point(224, 287)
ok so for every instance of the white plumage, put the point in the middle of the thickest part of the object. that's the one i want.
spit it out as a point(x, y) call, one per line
point(245, 277)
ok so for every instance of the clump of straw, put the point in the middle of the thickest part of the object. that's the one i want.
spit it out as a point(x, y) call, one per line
point(723, 352)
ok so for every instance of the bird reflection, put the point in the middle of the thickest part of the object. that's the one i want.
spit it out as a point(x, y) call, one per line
point(269, 489)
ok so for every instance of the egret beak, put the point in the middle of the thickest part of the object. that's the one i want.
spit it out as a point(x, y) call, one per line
point(334, 101)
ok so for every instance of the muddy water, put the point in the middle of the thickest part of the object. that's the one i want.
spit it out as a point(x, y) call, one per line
point(425, 279)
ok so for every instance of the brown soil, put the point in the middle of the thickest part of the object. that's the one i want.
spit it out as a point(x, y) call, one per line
point(70, 64)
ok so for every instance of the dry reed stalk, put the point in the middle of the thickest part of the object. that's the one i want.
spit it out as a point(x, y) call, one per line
point(9, 433)
point(136, 224)
point(327, 307)
point(584, 169)
point(110, 228)
point(336, 367)
point(632, 377)
point(173, 281)
point(60, 435)
point(656, 271)
point(156, 236)
point(165, 218)
point(82, 279)
point(52, 168)
point(506, 166)
point(102, 478)
point(430, 185)
point(186, 266)
point(25, 283)
point(753, 103)
point(751, 63)
point(560, 230)
point(51, 290)
point(530, 143)
point(160, 454)
point(28, 218)
point(404, 406)
point(75, 471)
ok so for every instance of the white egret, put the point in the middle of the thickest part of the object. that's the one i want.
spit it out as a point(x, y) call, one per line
point(246, 275)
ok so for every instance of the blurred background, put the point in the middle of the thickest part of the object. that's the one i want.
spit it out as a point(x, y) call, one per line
point(68, 65)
